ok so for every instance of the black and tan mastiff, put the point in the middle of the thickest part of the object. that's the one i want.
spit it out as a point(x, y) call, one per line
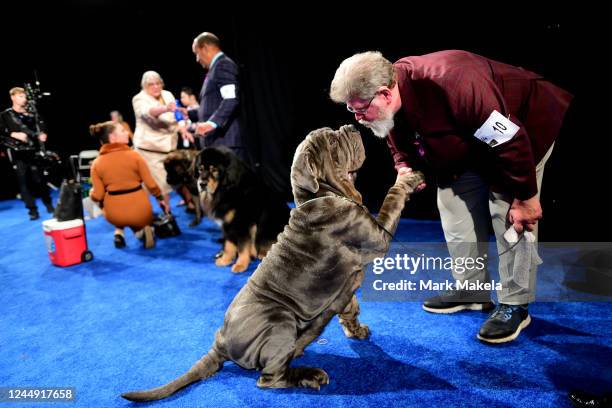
point(251, 215)
point(309, 275)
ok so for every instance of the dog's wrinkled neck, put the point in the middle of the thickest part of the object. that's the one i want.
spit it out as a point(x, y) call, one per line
point(327, 190)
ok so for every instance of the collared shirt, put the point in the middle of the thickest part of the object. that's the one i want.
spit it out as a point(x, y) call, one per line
point(215, 58)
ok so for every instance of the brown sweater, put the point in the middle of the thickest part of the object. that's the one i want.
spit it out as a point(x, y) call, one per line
point(119, 168)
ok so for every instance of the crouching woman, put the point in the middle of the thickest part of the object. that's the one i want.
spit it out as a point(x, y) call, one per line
point(117, 176)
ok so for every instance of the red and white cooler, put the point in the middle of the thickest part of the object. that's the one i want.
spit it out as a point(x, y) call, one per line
point(66, 241)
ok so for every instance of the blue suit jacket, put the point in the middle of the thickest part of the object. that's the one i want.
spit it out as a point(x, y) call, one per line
point(224, 112)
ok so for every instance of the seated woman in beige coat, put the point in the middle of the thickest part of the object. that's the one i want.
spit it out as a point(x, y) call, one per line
point(117, 176)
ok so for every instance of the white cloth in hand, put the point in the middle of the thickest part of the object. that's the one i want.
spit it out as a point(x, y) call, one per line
point(524, 254)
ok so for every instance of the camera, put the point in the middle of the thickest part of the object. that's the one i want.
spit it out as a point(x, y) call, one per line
point(33, 94)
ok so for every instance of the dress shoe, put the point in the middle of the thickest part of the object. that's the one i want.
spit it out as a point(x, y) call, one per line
point(119, 241)
point(458, 300)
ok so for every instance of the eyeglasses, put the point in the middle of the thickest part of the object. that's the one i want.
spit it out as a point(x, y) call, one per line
point(361, 110)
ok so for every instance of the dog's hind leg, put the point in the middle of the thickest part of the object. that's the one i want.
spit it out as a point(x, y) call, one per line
point(350, 324)
point(312, 332)
point(283, 376)
point(276, 355)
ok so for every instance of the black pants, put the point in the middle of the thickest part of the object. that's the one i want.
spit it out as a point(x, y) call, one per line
point(30, 176)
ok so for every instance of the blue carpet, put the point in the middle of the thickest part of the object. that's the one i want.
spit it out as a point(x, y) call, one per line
point(136, 318)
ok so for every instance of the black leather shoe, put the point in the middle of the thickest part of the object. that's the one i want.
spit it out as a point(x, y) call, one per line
point(34, 215)
point(584, 399)
point(50, 208)
point(456, 301)
point(119, 241)
point(504, 324)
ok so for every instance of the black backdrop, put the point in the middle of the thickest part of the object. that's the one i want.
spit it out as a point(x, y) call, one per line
point(91, 55)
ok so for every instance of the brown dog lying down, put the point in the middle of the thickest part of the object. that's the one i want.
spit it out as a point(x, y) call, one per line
point(309, 275)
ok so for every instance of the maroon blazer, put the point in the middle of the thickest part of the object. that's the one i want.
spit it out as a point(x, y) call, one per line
point(448, 95)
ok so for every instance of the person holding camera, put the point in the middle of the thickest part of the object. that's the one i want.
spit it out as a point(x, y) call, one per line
point(117, 176)
point(23, 135)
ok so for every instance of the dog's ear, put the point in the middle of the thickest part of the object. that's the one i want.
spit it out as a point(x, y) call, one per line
point(304, 171)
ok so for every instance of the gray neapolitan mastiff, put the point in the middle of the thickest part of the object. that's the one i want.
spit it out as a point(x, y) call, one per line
point(309, 275)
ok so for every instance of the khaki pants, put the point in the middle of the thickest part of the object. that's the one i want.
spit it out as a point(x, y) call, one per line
point(155, 161)
point(466, 207)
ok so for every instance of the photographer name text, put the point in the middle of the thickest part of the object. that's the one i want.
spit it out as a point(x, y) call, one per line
point(406, 285)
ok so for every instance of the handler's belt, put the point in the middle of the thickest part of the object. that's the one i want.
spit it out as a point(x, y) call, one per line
point(128, 191)
point(153, 151)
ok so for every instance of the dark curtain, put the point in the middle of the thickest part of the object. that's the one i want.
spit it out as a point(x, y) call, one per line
point(91, 57)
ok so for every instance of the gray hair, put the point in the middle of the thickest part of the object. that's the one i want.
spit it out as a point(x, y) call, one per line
point(360, 76)
point(148, 76)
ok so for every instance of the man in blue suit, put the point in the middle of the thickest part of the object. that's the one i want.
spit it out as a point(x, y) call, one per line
point(218, 115)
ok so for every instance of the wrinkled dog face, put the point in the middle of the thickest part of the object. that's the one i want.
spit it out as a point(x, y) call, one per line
point(327, 157)
point(348, 155)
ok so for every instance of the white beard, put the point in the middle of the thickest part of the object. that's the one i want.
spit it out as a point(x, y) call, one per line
point(381, 126)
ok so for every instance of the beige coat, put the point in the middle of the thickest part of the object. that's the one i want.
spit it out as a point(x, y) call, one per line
point(156, 134)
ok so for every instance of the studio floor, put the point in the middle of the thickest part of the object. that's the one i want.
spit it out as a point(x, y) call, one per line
point(135, 318)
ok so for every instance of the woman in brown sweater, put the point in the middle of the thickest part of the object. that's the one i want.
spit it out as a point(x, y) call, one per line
point(117, 176)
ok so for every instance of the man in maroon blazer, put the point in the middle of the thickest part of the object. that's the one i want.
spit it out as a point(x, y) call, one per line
point(486, 129)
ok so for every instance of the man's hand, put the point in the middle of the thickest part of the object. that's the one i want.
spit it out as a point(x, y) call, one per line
point(202, 128)
point(185, 134)
point(525, 214)
point(19, 136)
point(405, 170)
point(42, 137)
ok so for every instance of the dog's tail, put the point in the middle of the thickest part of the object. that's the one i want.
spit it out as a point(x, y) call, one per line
point(206, 367)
